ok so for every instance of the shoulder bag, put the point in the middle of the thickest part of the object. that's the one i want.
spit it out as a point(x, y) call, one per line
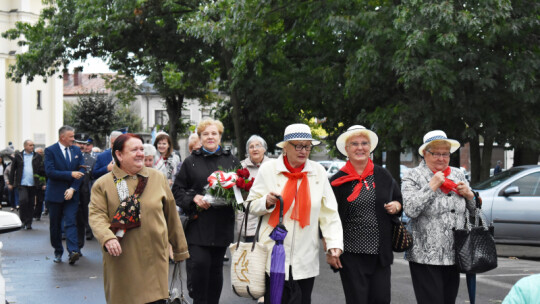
point(401, 238)
point(248, 264)
point(475, 245)
point(176, 293)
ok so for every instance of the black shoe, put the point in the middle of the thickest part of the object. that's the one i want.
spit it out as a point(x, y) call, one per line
point(37, 219)
point(57, 259)
point(89, 237)
point(63, 236)
point(28, 227)
point(74, 257)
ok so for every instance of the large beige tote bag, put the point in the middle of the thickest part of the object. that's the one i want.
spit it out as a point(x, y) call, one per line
point(248, 264)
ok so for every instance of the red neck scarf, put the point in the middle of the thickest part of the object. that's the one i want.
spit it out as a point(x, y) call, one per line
point(353, 175)
point(448, 184)
point(302, 197)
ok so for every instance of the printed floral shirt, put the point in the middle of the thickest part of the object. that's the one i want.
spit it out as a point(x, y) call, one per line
point(433, 216)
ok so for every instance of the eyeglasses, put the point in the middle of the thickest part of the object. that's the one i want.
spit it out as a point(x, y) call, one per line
point(438, 155)
point(358, 144)
point(257, 146)
point(300, 147)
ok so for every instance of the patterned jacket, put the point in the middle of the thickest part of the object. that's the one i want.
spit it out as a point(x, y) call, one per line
point(433, 216)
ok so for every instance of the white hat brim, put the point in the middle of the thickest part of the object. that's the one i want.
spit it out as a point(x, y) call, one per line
point(342, 139)
point(454, 145)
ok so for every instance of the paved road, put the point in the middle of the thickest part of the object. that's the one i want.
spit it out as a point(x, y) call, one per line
point(32, 277)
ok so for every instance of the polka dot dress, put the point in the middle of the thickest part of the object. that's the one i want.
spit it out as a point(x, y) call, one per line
point(360, 228)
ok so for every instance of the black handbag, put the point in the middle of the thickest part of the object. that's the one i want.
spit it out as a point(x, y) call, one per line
point(475, 245)
point(401, 238)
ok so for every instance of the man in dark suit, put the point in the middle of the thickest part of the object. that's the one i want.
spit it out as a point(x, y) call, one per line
point(26, 166)
point(64, 166)
point(104, 161)
point(83, 227)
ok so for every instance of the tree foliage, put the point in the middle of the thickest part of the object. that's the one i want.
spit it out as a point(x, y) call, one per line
point(136, 37)
point(98, 115)
point(401, 68)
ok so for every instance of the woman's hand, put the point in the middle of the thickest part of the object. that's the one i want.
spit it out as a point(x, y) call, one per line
point(332, 258)
point(465, 191)
point(271, 200)
point(436, 181)
point(198, 199)
point(113, 247)
point(393, 207)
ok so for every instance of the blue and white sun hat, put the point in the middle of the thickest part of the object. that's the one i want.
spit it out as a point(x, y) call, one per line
point(297, 132)
point(437, 135)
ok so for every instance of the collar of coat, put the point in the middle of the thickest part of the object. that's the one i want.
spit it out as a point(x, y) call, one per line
point(221, 151)
point(249, 163)
point(119, 173)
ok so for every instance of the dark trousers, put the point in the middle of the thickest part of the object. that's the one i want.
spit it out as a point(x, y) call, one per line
point(434, 283)
point(82, 217)
point(299, 290)
point(2, 186)
point(205, 273)
point(40, 197)
point(13, 198)
point(363, 278)
point(27, 199)
point(68, 211)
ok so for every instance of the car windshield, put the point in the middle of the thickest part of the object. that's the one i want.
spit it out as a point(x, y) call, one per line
point(497, 179)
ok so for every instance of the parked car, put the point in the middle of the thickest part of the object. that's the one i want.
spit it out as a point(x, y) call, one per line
point(402, 170)
point(511, 202)
point(8, 222)
point(332, 166)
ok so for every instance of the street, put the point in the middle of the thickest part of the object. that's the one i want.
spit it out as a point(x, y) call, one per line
point(32, 277)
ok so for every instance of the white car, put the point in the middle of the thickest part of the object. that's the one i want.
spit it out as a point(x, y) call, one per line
point(8, 222)
point(332, 166)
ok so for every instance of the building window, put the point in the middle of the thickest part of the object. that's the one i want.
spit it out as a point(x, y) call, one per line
point(161, 117)
point(39, 100)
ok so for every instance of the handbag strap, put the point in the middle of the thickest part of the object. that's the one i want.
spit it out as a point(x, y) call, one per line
point(244, 223)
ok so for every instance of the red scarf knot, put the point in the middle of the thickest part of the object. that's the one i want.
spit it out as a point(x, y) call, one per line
point(448, 184)
point(290, 193)
point(352, 175)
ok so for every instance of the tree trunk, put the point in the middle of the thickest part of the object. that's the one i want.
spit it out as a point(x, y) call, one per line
point(392, 164)
point(486, 158)
point(525, 156)
point(241, 148)
point(474, 145)
point(377, 157)
point(174, 111)
point(238, 134)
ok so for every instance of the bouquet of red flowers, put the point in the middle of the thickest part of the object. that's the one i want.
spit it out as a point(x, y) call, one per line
point(228, 188)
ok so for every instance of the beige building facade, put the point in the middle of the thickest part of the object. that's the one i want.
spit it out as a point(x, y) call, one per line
point(27, 111)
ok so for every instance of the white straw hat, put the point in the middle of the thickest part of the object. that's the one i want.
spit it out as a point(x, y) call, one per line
point(297, 132)
point(437, 135)
point(342, 139)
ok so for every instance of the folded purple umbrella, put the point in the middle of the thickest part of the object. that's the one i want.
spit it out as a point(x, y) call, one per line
point(277, 265)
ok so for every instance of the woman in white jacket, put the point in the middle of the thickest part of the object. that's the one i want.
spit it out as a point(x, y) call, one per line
point(309, 203)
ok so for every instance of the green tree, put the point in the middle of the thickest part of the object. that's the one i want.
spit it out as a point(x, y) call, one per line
point(136, 37)
point(474, 66)
point(94, 114)
point(98, 115)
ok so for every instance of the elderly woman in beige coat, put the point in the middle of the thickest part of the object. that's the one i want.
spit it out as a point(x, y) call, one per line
point(133, 216)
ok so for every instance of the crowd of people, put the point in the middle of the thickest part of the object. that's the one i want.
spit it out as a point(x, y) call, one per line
point(129, 198)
